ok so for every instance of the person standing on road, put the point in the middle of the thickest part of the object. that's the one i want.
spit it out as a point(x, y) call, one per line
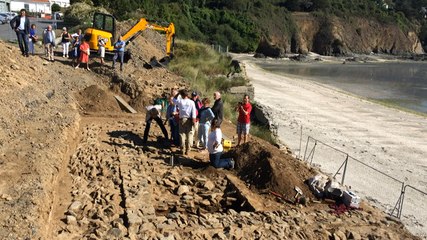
point(33, 38)
point(218, 108)
point(49, 42)
point(21, 25)
point(244, 120)
point(187, 119)
point(119, 48)
point(65, 40)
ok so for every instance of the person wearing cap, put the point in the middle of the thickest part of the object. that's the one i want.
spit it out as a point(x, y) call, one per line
point(21, 25)
point(244, 120)
point(65, 40)
point(187, 119)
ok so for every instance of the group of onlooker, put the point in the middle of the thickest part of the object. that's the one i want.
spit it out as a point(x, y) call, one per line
point(187, 115)
point(79, 50)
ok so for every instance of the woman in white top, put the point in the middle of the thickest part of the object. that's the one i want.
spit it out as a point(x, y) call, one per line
point(215, 148)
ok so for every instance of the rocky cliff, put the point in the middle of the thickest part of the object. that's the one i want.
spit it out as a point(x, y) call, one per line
point(337, 36)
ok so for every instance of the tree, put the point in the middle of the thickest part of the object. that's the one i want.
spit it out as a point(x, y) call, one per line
point(55, 7)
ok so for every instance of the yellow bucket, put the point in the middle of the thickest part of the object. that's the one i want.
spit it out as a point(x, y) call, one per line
point(226, 144)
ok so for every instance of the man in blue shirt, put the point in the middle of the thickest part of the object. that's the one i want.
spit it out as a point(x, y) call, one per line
point(21, 25)
point(119, 48)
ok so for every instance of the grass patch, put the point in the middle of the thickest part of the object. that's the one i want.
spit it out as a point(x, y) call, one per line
point(263, 132)
point(396, 104)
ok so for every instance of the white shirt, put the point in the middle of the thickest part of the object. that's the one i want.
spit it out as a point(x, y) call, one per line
point(148, 114)
point(215, 136)
point(22, 24)
point(186, 106)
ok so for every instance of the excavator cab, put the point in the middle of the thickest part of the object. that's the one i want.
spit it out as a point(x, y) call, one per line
point(104, 26)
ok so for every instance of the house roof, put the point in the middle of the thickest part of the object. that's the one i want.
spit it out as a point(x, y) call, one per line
point(32, 1)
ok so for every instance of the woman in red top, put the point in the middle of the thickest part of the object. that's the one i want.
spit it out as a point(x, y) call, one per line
point(244, 119)
point(84, 54)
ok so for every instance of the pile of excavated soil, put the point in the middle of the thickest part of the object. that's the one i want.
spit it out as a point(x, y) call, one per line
point(264, 166)
point(96, 99)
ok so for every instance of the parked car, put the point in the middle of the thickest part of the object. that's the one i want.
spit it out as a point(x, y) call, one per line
point(6, 16)
point(3, 19)
point(12, 14)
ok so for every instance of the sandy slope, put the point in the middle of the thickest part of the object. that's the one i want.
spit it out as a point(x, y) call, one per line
point(389, 140)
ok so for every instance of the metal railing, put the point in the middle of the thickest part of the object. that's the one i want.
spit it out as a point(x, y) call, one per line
point(367, 172)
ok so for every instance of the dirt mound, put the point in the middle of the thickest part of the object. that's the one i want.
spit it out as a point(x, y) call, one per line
point(149, 44)
point(95, 99)
point(266, 167)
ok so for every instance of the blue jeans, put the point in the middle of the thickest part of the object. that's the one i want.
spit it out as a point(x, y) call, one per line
point(121, 56)
point(203, 133)
point(174, 132)
point(22, 41)
point(31, 47)
point(147, 128)
point(217, 162)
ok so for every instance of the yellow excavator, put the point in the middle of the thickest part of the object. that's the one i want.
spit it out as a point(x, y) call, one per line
point(104, 25)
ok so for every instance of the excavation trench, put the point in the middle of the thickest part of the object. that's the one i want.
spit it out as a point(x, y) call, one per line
point(118, 188)
point(115, 187)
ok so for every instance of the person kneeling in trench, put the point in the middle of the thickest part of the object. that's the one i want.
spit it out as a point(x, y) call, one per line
point(153, 112)
point(215, 147)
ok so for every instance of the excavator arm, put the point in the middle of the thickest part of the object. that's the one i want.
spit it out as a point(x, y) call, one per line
point(143, 24)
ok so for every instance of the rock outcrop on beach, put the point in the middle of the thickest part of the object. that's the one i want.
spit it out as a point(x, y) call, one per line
point(338, 36)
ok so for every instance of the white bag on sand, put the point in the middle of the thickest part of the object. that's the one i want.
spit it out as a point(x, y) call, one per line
point(317, 184)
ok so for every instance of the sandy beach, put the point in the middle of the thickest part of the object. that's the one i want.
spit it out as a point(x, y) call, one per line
point(389, 140)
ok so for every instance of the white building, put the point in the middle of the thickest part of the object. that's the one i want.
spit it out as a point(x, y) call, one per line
point(4, 5)
point(40, 6)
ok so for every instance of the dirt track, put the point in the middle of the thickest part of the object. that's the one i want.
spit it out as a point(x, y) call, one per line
point(69, 173)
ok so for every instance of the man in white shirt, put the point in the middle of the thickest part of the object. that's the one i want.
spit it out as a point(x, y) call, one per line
point(21, 25)
point(187, 119)
point(153, 112)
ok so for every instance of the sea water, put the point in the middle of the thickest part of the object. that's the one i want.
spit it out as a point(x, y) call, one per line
point(402, 84)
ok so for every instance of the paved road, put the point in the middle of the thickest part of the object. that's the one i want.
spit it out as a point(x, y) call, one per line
point(6, 33)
